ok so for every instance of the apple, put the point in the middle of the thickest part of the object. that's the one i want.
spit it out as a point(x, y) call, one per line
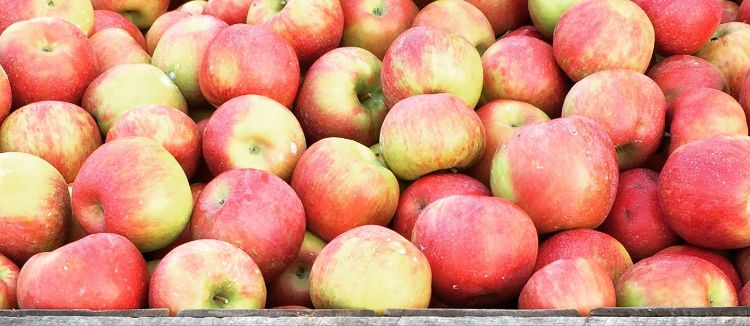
point(245, 59)
point(46, 59)
point(603, 34)
point(195, 7)
point(673, 280)
point(501, 118)
point(743, 98)
point(230, 11)
point(711, 172)
point(114, 46)
point(142, 13)
point(481, 249)
point(545, 14)
point(8, 277)
point(218, 274)
point(292, 287)
point(459, 17)
point(680, 74)
point(75, 232)
point(743, 12)
point(149, 203)
point(562, 172)
point(703, 113)
point(77, 12)
point(711, 256)
point(374, 25)
point(729, 51)
point(370, 267)
point(730, 11)
point(427, 60)
point(196, 189)
point(504, 15)
point(102, 271)
point(744, 296)
point(576, 283)
point(698, 20)
point(523, 68)
point(342, 185)
point(160, 26)
point(6, 97)
point(341, 97)
point(742, 262)
point(61, 133)
point(527, 30)
point(312, 27)
point(104, 19)
point(112, 94)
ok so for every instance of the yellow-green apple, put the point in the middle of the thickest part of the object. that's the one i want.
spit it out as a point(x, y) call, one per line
point(523, 68)
point(343, 185)
point(414, 146)
point(370, 267)
point(673, 280)
point(427, 60)
point(34, 206)
point(181, 50)
point(245, 59)
point(230, 11)
point(713, 257)
point(504, 15)
point(149, 202)
point(730, 11)
point(61, 133)
point(698, 20)
point(161, 25)
point(593, 245)
point(562, 172)
point(207, 274)
point(680, 74)
point(700, 192)
point(575, 283)
point(527, 30)
point(142, 13)
point(459, 17)
point(8, 277)
point(196, 189)
point(481, 249)
point(292, 287)
point(6, 97)
point(102, 271)
point(636, 220)
point(196, 7)
point(545, 14)
point(77, 12)
point(312, 27)
point(603, 34)
point(428, 189)
point(111, 94)
point(253, 131)
point(256, 211)
point(341, 97)
point(501, 118)
point(104, 19)
point(373, 25)
point(114, 46)
point(629, 106)
point(729, 51)
point(172, 129)
point(47, 59)
point(703, 113)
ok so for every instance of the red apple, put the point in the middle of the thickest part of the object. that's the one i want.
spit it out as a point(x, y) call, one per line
point(292, 287)
point(504, 15)
point(230, 11)
point(729, 51)
point(744, 296)
point(459, 17)
point(527, 30)
point(104, 19)
point(743, 12)
point(77, 12)
point(703, 113)
point(114, 46)
point(6, 98)
point(8, 277)
point(682, 26)
point(142, 13)
point(711, 256)
point(680, 74)
point(160, 26)
point(730, 11)
point(374, 25)
point(195, 7)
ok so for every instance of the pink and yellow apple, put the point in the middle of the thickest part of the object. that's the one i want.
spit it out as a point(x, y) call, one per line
point(8, 278)
point(77, 12)
point(374, 25)
point(712, 257)
point(504, 15)
point(194, 7)
point(142, 13)
point(459, 17)
point(230, 11)
point(104, 19)
point(729, 51)
point(160, 26)
point(114, 46)
point(680, 74)
point(6, 97)
point(292, 287)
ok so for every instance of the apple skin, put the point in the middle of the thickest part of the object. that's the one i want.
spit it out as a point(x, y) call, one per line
point(149, 202)
point(230, 11)
point(744, 296)
point(370, 267)
point(426, 60)
point(180, 52)
point(576, 283)
point(675, 280)
point(414, 146)
point(527, 30)
point(102, 271)
point(104, 19)
point(730, 11)
point(61, 133)
point(628, 105)
point(712, 257)
point(245, 59)
point(501, 118)
point(428, 189)
point(312, 27)
point(545, 14)
point(374, 25)
point(110, 95)
point(481, 249)
point(504, 15)
point(160, 26)
point(522, 68)
point(172, 129)
point(196, 189)
point(343, 185)
point(562, 172)
point(46, 59)
point(680, 74)
point(292, 287)
point(77, 12)
point(459, 17)
point(698, 20)
point(714, 173)
point(8, 277)
point(195, 7)
point(743, 98)
point(742, 262)
point(6, 97)
point(114, 46)
point(603, 34)
point(743, 12)
point(142, 13)
point(220, 275)
point(729, 51)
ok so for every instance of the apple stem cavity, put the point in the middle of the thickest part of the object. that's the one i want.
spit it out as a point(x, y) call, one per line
point(378, 11)
point(301, 273)
point(220, 300)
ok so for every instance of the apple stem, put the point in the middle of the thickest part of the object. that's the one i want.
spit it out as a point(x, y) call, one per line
point(222, 301)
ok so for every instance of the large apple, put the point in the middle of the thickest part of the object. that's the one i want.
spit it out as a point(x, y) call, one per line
point(504, 15)
point(370, 267)
point(374, 25)
point(102, 271)
point(698, 20)
point(104, 19)
point(680, 74)
point(6, 97)
point(8, 277)
point(142, 13)
point(703, 113)
point(713, 257)
point(230, 11)
point(114, 46)
point(47, 59)
point(426, 60)
point(149, 202)
point(545, 14)
point(603, 34)
point(729, 51)
point(481, 249)
point(459, 17)
point(292, 287)
point(160, 26)
point(77, 12)
point(562, 172)
point(343, 185)
point(206, 274)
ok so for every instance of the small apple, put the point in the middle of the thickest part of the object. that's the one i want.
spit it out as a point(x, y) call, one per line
point(459, 17)
point(114, 46)
point(142, 13)
point(104, 19)
point(374, 25)
point(230, 11)
point(8, 277)
point(292, 287)
point(160, 26)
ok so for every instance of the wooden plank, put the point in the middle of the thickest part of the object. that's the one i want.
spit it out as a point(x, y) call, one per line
point(275, 313)
point(83, 312)
point(480, 313)
point(673, 312)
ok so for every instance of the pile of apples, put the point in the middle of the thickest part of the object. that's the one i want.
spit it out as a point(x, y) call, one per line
point(374, 154)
